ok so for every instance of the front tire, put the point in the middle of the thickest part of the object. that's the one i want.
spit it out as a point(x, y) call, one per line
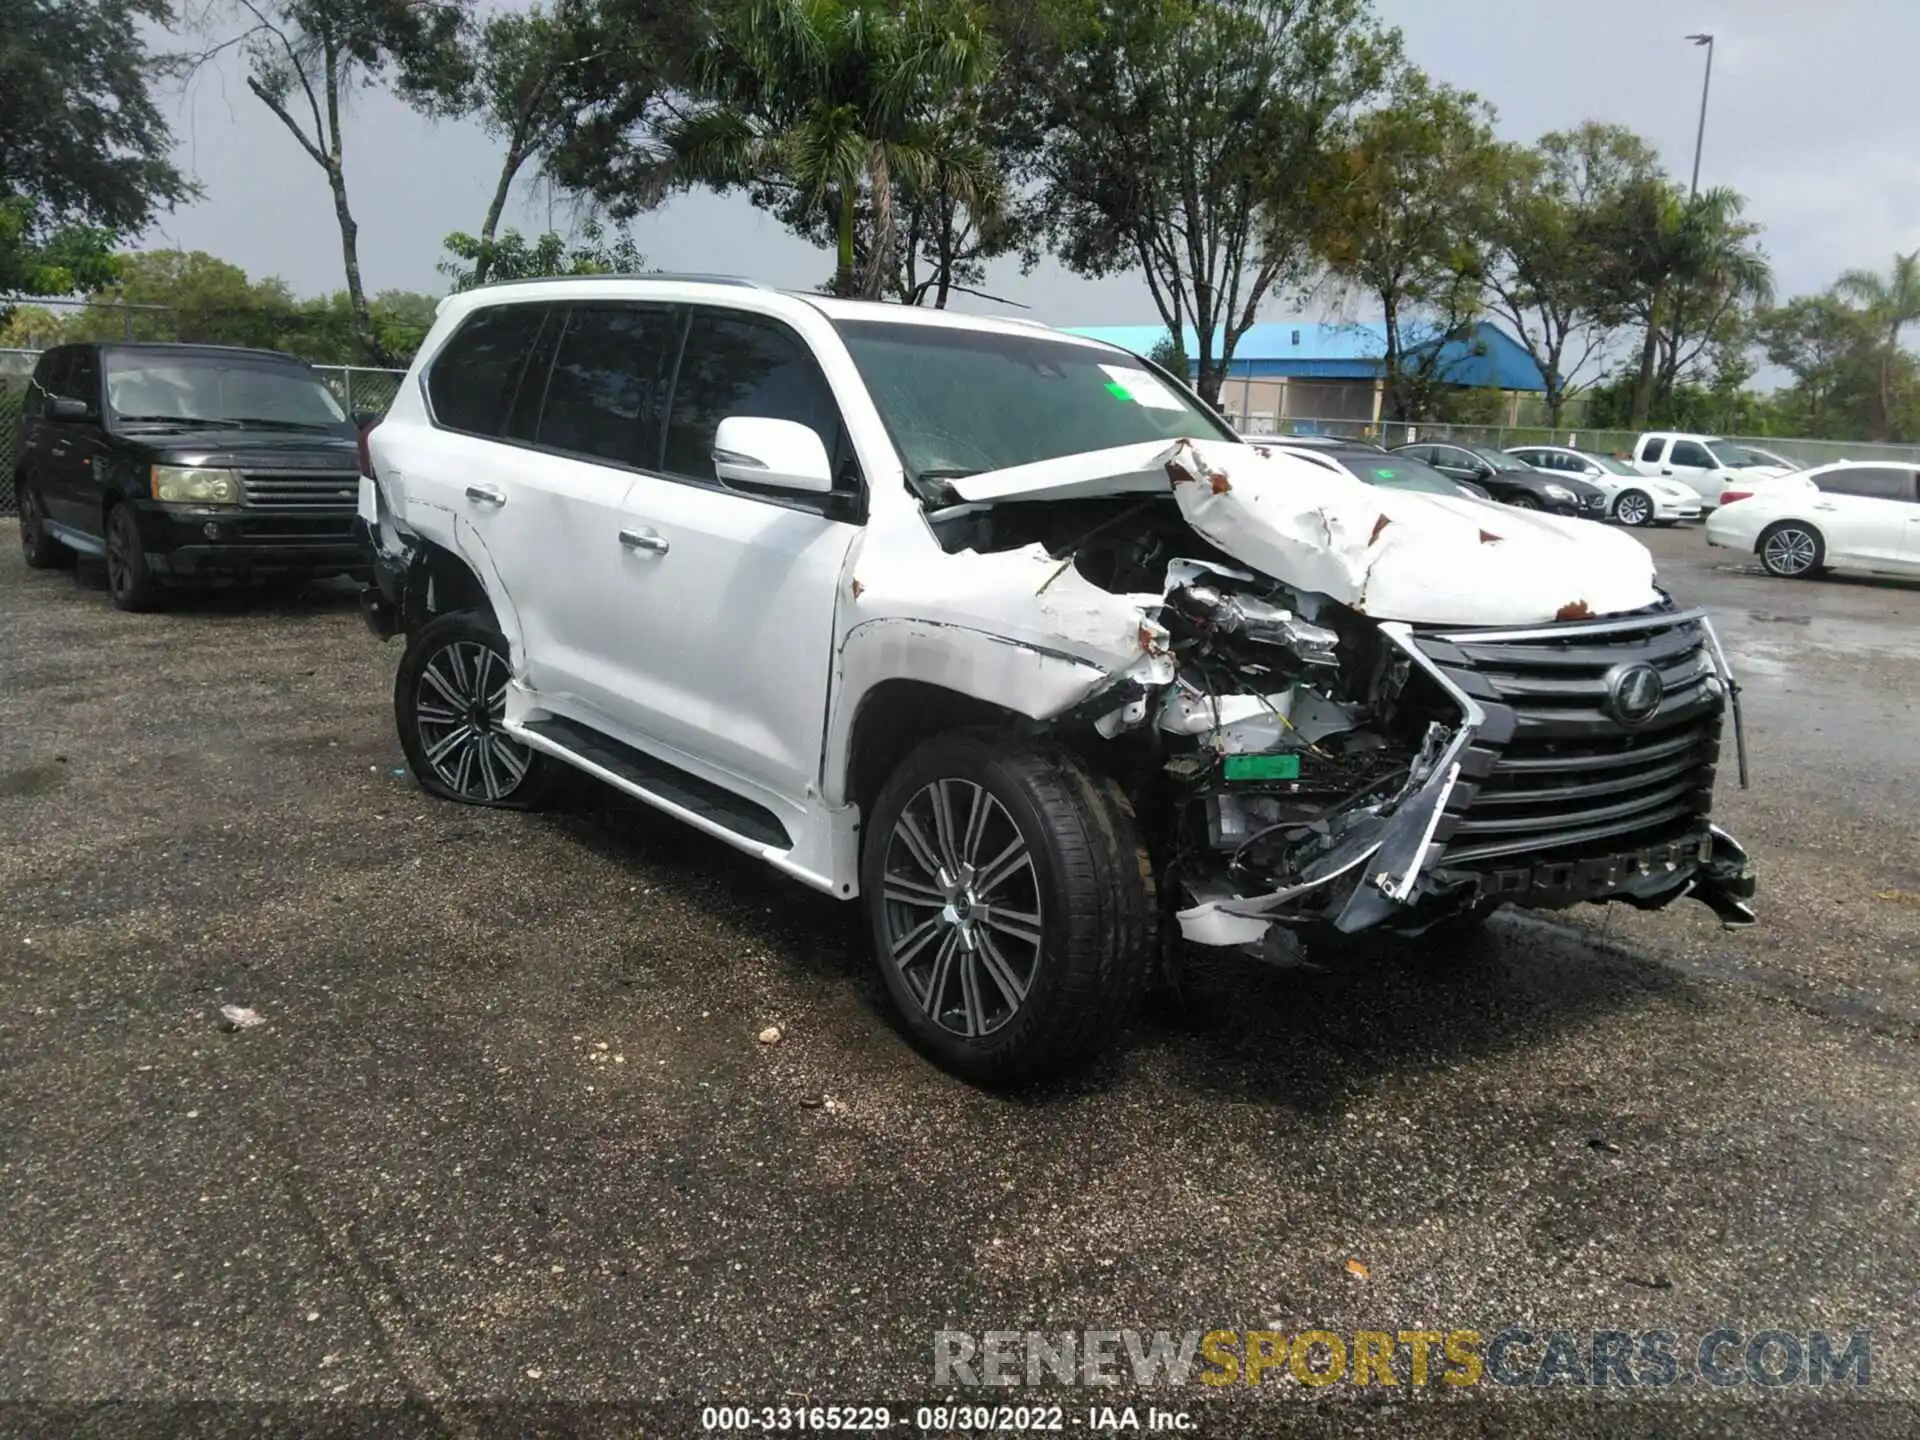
point(1523, 501)
point(39, 549)
point(1010, 909)
point(1791, 550)
point(1635, 508)
point(131, 583)
point(449, 698)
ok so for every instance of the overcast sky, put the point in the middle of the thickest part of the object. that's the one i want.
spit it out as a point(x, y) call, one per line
point(1812, 116)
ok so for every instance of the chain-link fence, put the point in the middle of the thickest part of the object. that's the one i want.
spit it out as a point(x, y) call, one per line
point(359, 389)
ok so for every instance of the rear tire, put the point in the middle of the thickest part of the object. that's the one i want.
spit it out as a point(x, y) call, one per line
point(39, 549)
point(1009, 906)
point(131, 583)
point(1791, 550)
point(448, 699)
point(1634, 507)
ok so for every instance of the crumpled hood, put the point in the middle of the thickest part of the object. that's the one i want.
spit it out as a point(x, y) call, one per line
point(1393, 554)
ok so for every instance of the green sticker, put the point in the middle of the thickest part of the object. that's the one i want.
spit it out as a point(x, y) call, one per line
point(1119, 391)
point(1384, 474)
point(1262, 767)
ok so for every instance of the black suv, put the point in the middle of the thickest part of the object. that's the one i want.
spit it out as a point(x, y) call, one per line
point(174, 462)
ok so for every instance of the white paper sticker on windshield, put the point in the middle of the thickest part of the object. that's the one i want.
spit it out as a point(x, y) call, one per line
point(1131, 383)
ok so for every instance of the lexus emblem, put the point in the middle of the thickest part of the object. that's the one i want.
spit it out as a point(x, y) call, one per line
point(1634, 692)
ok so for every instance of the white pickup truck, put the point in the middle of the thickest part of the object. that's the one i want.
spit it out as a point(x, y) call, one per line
point(1003, 635)
point(1704, 463)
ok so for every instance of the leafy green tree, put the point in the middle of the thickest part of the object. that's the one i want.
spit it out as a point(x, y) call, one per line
point(1196, 141)
point(306, 58)
point(531, 78)
point(827, 102)
point(84, 151)
point(511, 257)
point(1827, 346)
point(188, 295)
point(1546, 250)
point(1891, 302)
point(1688, 270)
point(1411, 228)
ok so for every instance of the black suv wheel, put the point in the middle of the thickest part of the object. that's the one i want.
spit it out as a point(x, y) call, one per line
point(130, 580)
point(39, 549)
point(449, 700)
point(1009, 906)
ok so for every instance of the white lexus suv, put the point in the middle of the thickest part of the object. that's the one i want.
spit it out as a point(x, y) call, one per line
point(1005, 636)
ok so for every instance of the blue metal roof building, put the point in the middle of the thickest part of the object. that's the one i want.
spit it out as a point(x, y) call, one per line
point(1305, 350)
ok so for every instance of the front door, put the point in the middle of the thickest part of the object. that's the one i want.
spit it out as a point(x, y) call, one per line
point(1865, 512)
point(1693, 465)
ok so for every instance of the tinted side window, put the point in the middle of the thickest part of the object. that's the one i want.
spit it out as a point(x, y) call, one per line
point(45, 382)
point(473, 379)
point(1874, 482)
point(79, 378)
point(1650, 451)
point(1688, 452)
point(737, 364)
point(607, 383)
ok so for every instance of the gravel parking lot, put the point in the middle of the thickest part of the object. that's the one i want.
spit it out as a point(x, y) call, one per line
point(507, 1133)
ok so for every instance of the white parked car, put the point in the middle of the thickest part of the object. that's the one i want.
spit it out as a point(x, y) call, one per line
point(1002, 635)
point(1705, 464)
point(1632, 498)
point(1848, 516)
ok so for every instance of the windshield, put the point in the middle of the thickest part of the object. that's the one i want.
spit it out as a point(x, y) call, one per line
point(1400, 472)
point(218, 389)
point(1499, 459)
point(961, 402)
point(1611, 465)
point(1735, 457)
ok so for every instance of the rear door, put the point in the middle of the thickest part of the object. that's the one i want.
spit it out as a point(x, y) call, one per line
point(729, 595)
point(64, 456)
point(545, 504)
point(1866, 513)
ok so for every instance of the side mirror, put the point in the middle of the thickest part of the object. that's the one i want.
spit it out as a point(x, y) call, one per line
point(65, 407)
point(753, 450)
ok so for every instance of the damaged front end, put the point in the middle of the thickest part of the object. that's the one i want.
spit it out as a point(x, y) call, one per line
point(1314, 765)
point(1432, 773)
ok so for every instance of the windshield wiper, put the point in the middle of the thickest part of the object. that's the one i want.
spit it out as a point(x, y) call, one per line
point(270, 424)
point(174, 420)
point(947, 474)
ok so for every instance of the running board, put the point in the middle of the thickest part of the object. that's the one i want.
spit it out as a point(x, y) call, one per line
point(701, 802)
point(73, 539)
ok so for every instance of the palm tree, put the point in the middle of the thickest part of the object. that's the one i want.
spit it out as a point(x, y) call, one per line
point(823, 97)
point(1891, 303)
point(1680, 259)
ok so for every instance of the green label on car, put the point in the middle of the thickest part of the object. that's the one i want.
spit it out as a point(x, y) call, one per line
point(1262, 767)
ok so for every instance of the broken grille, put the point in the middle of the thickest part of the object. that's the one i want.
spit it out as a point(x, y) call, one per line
point(302, 490)
point(1554, 774)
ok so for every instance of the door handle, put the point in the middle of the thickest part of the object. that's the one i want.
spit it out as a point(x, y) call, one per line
point(1823, 507)
point(644, 540)
point(486, 495)
point(1666, 472)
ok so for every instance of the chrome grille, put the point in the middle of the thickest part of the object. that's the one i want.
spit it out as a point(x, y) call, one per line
point(302, 490)
point(1553, 775)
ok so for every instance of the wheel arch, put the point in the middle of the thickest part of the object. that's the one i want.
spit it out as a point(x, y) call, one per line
point(894, 716)
point(441, 582)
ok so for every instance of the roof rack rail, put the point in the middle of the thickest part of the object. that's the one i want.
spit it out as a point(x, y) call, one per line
point(640, 275)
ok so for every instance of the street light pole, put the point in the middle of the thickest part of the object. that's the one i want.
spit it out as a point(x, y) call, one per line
point(1701, 134)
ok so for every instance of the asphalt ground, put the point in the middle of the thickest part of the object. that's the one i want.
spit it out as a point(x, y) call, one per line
point(507, 1138)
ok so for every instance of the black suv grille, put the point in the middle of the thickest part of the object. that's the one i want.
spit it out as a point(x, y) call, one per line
point(301, 489)
point(1554, 774)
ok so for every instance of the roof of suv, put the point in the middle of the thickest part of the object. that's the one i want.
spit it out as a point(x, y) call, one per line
point(718, 289)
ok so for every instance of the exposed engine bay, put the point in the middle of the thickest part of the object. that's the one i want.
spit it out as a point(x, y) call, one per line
point(1311, 766)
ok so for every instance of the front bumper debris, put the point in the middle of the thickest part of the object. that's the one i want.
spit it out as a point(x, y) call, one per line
point(1466, 832)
